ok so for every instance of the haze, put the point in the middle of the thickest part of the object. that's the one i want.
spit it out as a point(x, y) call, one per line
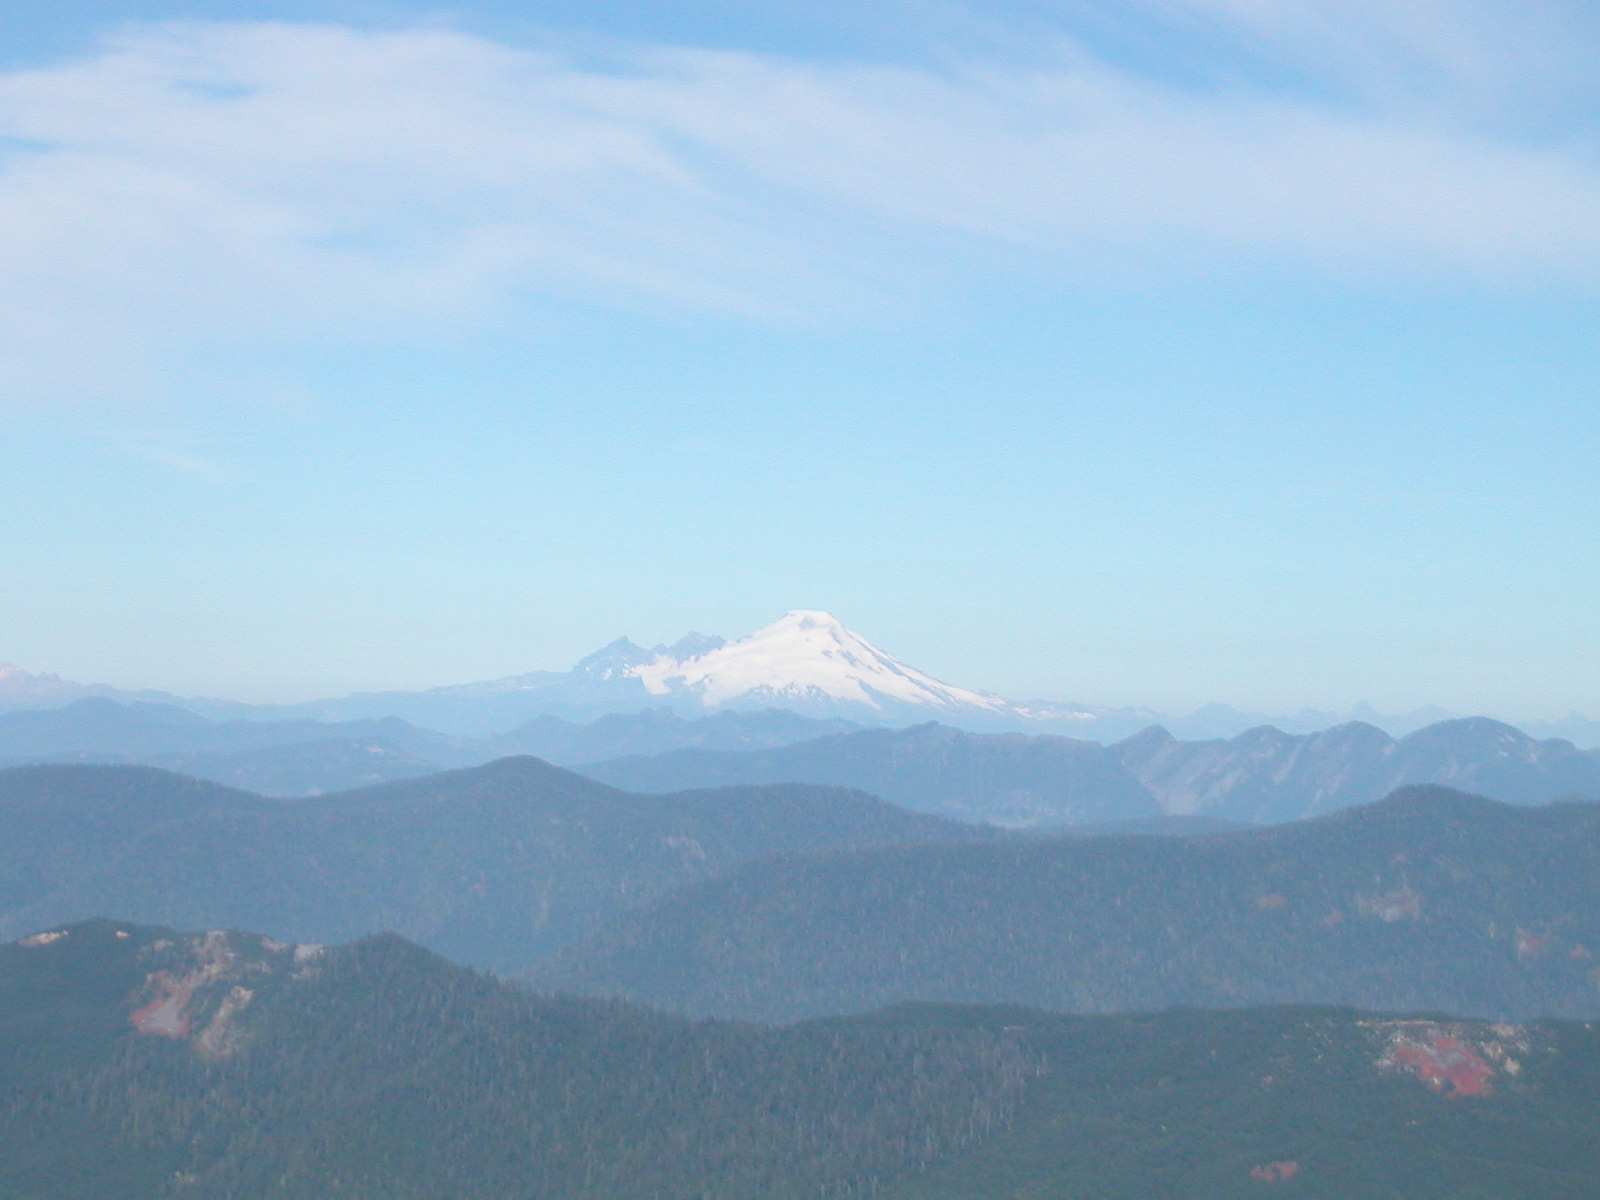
point(1147, 353)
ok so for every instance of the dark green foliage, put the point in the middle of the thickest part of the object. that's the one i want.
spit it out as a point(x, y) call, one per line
point(378, 1072)
point(1429, 900)
point(495, 865)
point(1184, 1105)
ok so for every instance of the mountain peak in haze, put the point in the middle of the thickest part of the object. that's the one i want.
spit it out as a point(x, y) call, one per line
point(19, 686)
point(805, 658)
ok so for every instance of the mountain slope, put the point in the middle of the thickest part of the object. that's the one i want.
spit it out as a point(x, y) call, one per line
point(496, 865)
point(140, 1064)
point(1430, 900)
point(1011, 779)
point(803, 661)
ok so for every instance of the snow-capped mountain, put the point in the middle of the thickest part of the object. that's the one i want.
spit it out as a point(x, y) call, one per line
point(806, 662)
point(803, 661)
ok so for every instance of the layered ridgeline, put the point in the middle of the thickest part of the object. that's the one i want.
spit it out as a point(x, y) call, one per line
point(302, 757)
point(1006, 778)
point(1430, 900)
point(140, 1064)
point(1012, 779)
point(1267, 775)
point(1021, 780)
point(806, 663)
point(495, 865)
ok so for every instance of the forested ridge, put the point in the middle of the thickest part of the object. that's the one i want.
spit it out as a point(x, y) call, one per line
point(494, 865)
point(1430, 900)
point(379, 1070)
point(141, 1064)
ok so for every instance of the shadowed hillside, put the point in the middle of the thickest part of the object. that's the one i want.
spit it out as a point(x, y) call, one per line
point(1431, 899)
point(496, 865)
point(1008, 778)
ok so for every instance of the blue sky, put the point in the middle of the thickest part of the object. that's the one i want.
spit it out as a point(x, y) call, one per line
point(1150, 353)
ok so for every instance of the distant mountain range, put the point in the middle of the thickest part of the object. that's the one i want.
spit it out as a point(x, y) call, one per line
point(1018, 780)
point(1431, 900)
point(756, 843)
point(1267, 775)
point(496, 865)
point(806, 662)
point(302, 757)
point(145, 1064)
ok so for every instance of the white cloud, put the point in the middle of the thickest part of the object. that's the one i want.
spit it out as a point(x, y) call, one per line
point(1472, 57)
point(201, 183)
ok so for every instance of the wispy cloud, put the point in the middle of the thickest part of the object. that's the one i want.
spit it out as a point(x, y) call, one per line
point(263, 181)
point(173, 450)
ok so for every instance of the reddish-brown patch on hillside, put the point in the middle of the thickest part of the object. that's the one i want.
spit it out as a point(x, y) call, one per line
point(1457, 1059)
point(1447, 1066)
point(1275, 1172)
point(164, 1012)
point(185, 999)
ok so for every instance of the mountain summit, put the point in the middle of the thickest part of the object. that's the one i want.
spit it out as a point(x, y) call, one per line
point(804, 660)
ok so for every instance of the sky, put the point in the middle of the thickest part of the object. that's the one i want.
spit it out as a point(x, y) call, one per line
point(1155, 352)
